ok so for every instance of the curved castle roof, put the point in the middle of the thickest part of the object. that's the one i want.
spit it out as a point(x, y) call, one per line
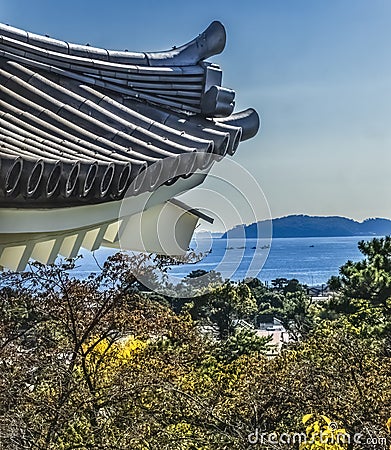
point(95, 144)
point(78, 124)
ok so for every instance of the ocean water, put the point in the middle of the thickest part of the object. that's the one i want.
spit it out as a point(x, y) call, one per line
point(311, 260)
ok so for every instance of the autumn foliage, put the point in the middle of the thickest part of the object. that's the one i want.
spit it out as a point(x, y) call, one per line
point(102, 364)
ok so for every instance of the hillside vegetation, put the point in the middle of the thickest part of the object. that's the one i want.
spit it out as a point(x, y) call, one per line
point(313, 226)
point(103, 364)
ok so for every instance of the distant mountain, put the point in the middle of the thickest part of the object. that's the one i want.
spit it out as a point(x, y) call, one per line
point(313, 226)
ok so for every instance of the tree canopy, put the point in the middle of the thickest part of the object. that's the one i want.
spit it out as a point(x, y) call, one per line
point(103, 364)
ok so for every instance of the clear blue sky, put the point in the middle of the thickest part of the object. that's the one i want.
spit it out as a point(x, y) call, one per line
point(318, 72)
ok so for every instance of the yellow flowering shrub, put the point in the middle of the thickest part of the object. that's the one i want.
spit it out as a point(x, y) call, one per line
point(323, 434)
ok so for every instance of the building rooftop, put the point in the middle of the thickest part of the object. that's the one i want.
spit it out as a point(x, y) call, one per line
point(85, 131)
point(79, 123)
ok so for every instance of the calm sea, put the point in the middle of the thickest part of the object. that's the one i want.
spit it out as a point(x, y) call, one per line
point(311, 260)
